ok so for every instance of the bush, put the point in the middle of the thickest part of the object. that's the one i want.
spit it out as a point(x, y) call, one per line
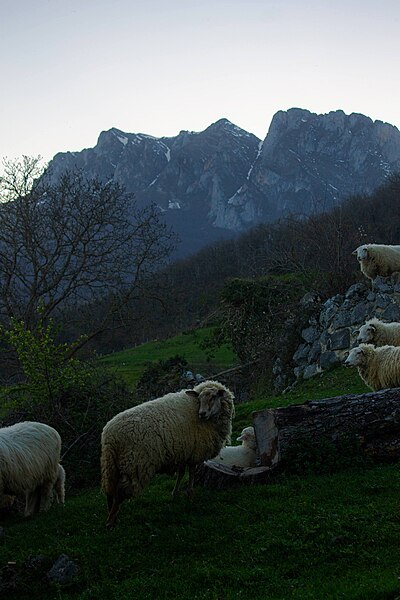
point(162, 377)
point(79, 419)
point(75, 397)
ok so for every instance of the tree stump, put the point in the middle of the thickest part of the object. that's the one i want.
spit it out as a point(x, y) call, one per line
point(372, 419)
point(212, 474)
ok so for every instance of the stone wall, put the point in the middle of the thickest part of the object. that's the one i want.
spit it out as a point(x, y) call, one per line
point(329, 336)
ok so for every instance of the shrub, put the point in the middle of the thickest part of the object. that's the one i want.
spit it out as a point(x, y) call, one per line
point(162, 377)
point(75, 397)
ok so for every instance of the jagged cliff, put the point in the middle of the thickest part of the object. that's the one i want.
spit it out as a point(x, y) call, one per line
point(309, 163)
point(224, 179)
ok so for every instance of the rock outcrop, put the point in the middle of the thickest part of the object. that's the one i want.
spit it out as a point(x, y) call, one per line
point(329, 336)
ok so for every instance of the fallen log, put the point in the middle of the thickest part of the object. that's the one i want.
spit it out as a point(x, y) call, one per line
point(372, 420)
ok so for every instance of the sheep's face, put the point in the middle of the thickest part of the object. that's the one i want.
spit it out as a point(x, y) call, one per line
point(362, 253)
point(209, 402)
point(366, 334)
point(247, 437)
point(356, 358)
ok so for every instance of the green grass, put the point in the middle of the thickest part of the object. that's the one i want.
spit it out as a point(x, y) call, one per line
point(333, 537)
point(337, 382)
point(306, 536)
point(132, 362)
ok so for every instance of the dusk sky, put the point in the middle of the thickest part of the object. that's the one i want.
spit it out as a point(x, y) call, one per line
point(70, 69)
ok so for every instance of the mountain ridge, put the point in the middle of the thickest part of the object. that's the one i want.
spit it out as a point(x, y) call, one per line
point(222, 180)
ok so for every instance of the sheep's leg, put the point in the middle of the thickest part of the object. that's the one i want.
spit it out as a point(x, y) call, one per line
point(46, 495)
point(180, 473)
point(110, 500)
point(114, 501)
point(59, 490)
point(113, 513)
point(32, 502)
point(189, 491)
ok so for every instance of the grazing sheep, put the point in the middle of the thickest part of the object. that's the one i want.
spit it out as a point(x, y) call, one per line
point(29, 465)
point(378, 333)
point(378, 259)
point(240, 456)
point(379, 367)
point(163, 436)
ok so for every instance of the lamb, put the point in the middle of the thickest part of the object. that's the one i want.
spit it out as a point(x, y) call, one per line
point(29, 465)
point(379, 367)
point(378, 333)
point(378, 259)
point(163, 436)
point(240, 456)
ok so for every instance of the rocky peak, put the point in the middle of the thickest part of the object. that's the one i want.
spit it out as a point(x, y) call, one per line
point(311, 162)
point(230, 180)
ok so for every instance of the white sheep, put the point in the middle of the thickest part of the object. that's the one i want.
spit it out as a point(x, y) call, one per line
point(378, 333)
point(378, 367)
point(378, 259)
point(29, 465)
point(163, 436)
point(240, 456)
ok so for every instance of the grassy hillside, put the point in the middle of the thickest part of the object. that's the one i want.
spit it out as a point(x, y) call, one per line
point(132, 362)
point(304, 536)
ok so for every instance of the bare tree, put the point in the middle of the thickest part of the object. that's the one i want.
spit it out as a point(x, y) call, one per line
point(71, 242)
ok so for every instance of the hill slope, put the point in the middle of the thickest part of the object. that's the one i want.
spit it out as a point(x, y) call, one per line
point(332, 535)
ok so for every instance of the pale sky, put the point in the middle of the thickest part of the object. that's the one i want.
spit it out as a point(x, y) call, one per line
point(73, 68)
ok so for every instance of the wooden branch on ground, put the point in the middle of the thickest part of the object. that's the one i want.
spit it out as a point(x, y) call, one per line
point(233, 369)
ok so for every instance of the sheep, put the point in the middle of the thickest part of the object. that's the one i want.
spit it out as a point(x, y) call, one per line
point(378, 259)
point(240, 456)
point(378, 333)
point(379, 368)
point(29, 465)
point(163, 436)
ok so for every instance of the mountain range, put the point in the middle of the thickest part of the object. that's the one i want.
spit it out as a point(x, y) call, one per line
point(215, 183)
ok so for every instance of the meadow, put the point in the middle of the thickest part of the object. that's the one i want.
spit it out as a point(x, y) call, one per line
point(331, 534)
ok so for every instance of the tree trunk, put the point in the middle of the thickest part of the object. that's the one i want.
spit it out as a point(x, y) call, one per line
point(373, 419)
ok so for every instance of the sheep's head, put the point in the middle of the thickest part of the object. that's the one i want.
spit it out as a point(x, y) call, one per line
point(209, 401)
point(357, 357)
point(366, 335)
point(248, 438)
point(362, 253)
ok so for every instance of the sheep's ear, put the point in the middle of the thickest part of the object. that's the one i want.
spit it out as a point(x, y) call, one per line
point(373, 327)
point(354, 252)
point(192, 393)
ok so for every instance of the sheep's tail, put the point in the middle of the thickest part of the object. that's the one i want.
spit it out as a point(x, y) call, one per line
point(59, 486)
point(109, 470)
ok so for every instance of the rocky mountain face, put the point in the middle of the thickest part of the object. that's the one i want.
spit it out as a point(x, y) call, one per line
point(223, 180)
point(309, 163)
